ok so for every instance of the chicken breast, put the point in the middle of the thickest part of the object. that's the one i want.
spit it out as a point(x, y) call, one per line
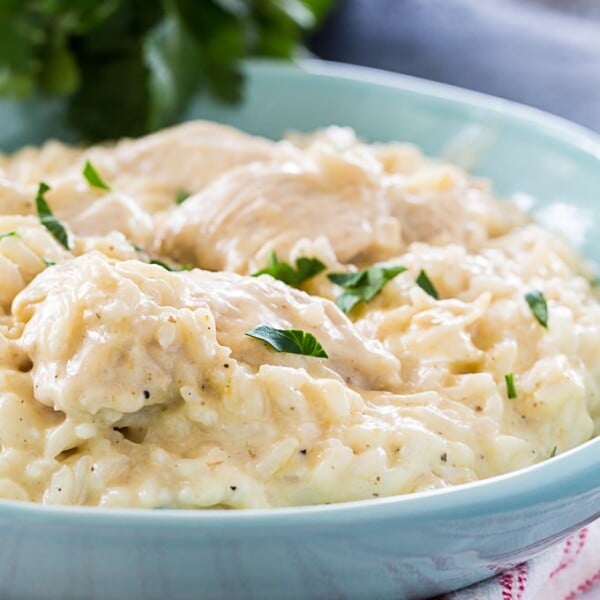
point(257, 208)
point(112, 338)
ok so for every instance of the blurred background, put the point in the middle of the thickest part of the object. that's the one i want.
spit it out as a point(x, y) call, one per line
point(545, 53)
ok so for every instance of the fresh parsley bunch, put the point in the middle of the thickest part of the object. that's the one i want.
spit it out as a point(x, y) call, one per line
point(127, 67)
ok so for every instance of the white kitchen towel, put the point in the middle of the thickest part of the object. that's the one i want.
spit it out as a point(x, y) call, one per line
point(569, 570)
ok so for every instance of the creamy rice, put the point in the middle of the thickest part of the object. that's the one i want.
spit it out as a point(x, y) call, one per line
point(125, 384)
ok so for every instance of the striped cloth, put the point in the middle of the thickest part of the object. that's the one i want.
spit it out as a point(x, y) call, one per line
point(568, 571)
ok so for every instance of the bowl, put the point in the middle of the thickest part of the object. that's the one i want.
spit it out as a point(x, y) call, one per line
point(413, 546)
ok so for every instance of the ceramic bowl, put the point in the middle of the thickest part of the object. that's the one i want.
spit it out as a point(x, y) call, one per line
point(392, 548)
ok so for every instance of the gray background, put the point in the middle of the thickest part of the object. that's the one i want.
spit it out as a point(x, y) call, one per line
point(545, 53)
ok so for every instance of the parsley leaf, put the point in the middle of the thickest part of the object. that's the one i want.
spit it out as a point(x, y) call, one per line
point(48, 261)
point(511, 390)
point(9, 234)
point(291, 341)
point(426, 285)
point(553, 453)
point(306, 268)
point(539, 307)
point(168, 267)
point(364, 285)
point(48, 220)
point(181, 196)
point(93, 177)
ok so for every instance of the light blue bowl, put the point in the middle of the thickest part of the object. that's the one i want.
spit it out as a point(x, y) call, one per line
point(407, 547)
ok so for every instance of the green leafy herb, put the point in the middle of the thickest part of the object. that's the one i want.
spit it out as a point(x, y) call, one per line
point(48, 220)
point(126, 66)
point(553, 453)
point(305, 269)
point(292, 341)
point(48, 261)
point(181, 196)
point(9, 234)
point(168, 267)
point(93, 177)
point(511, 390)
point(426, 284)
point(364, 285)
point(539, 307)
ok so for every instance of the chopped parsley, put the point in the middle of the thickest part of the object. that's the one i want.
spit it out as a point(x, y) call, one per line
point(539, 307)
point(168, 267)
point(426, 284)
point(292, 341)
point(511, 390)
point(9, 234)
point(93, 177)
point(553, 453)
point(181, 196)
point(48, 261)
point(48, 220)
point(306, 268)
point(363, 285)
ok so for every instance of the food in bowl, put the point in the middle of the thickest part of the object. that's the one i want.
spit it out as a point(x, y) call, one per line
point(202, 318)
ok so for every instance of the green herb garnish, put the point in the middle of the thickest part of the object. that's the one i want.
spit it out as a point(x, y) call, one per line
point(48, 261)
point(48, 220)
point(125, 67)
point(553, 453)
point(511, 390)
point(9, 234)
point(181, 196)
point(539, 307)
point(305, 269)
point(93, 177)
point(363, 285)
point(168, 267)
point(426, 284)
point(292, 341)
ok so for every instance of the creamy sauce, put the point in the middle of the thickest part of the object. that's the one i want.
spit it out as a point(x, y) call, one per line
point(124, 384)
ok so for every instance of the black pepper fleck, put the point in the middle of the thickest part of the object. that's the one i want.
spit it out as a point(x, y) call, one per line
point(444, 457)
point(226, 365)
point(146, 394)
point(233, 488)
point(303, 451)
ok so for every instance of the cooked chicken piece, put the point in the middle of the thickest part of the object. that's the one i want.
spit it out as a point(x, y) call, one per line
point(254, 209)
point(151, 169)
point(113, 337)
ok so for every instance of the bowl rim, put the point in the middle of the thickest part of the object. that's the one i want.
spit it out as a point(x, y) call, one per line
point(582, 137)
point(483, 495)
